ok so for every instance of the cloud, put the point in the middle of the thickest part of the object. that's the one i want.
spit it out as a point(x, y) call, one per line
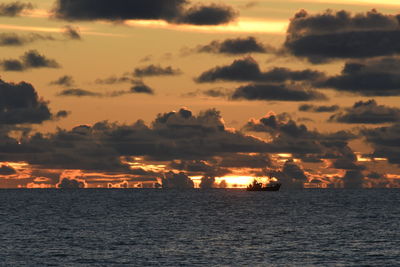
point(62, 114)
point(114, 80)
point(137, 87)
point(70, 184)
point(235, 46)
point(385, 141)
point(318, 109)
point(14, 9)
point(172, 11)
point(13, 39)
point(213, 14)
point(142, 88)
point(30, 60)
point(65, 80)
point(367, 112)
point(353, 179)
point(290, 137)
point(20, 103)
point(247, 69)
point(154, 70)
point(372, 77)
point(340, 34)
point(207, 182)
point(177, 181)
point(7, 170)
point(78, 92)
point(279, 92)
point(172, 136)
point(72, 32)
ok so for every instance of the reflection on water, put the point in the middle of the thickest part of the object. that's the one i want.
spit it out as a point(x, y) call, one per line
point(216, 227)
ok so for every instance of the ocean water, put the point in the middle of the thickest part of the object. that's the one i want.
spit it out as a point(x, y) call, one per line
point(219, 227)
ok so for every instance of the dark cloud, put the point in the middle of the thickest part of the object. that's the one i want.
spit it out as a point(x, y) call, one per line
point(173, 11)
point(278, 92)
point(72, 32)
point(177, 181)
point(13, 39)
point(20, 103)
point(207, 182)
point(14, 8)
point(71, 184)
point(353, 179)
point(247, 69)
point(258, 160)
point(340, 34)
point(65, 80)
point(155, 70)
point(78, 92)
point(213, 14)
point(114, 80)
point(172, 136)
point(385, 141)
point(7, 170)
point(347, 164)
point(142, 88)
point(235, 46)
point(290, 137)
point(213, 92)
point(367, 112)
point(373, 77)
point(12, 65)
point(30, 60)
point(318, 109)
point(62, 114)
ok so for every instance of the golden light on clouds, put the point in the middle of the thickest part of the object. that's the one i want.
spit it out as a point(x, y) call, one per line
point(244, 25)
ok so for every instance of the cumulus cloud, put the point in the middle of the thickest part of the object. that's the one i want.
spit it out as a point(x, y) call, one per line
point(247, 69)
point(207, 182)
point(172, 11)
point(70, 184)
point(13, 39)
point(213, 14)
point(155, 70)
point(353, 179)
point(30, 60)
point(290, 137)
point(318, 109)
point(385, 141)
point(340, 34)
point(235, 46)
point(280, 92)
point(7, 170)
point(371, 77)
point(177, 181)
point(20, 103)
point(65, 80)
point(14, 9)
point(72, 32)
point(367, 112)
point(173, 136)
point(142, 88)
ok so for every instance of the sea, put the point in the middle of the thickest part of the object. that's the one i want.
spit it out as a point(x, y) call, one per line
point(217, 227)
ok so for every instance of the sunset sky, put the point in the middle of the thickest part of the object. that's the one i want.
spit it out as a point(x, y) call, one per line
point(199, 93)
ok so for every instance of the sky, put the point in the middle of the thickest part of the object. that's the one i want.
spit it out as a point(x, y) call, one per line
point(179, 93)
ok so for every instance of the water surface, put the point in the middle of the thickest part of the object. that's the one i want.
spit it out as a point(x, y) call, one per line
point(219, 227)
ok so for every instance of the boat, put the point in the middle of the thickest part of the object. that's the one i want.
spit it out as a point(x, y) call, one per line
point(256, 186)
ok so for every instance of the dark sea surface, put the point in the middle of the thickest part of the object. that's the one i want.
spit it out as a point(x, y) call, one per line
point(219, 227)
